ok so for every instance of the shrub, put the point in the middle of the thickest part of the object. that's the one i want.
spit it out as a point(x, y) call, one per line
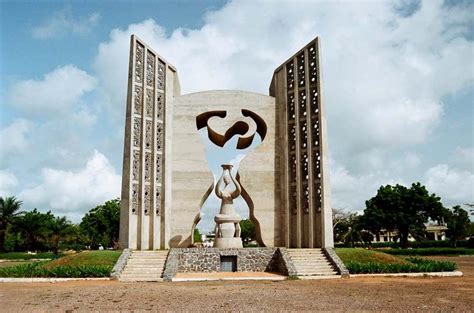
point(414, 244)
point(431, 251)
point(415, 265)
point(425, 265)
point(37, 269)
point(26, 256)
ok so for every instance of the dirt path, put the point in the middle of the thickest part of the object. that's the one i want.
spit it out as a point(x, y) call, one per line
point(355, 294)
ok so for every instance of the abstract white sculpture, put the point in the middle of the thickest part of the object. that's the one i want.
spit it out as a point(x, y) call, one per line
point(227, 221)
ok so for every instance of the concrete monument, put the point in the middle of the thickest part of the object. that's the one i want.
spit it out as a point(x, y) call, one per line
point(166, 179)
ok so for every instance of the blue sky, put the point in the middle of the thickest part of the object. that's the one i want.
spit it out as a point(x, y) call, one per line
point(398, 83)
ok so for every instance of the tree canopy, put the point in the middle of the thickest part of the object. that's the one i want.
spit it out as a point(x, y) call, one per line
point(458, 224)
point(101, 225)
point(9, 210)
point(402, 208)
point(247, 231)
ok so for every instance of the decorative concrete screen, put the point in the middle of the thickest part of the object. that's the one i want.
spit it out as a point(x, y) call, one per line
point(166, 178)
point(143, 181)
point(296, 85)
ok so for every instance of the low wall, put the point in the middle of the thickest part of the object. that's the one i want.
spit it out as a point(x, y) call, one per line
point(188, 260)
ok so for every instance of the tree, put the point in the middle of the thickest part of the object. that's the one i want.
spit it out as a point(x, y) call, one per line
point(197, 235)
point(458, 224)
point(247, 231)
point(404, 209)
point(353, 232)
point(9, 211)
point(59, 230)
point(34, 227)
point(101, 224)
point(471, 208)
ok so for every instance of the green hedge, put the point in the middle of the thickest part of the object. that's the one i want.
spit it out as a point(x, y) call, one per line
point(26, 256)
point(430, 251)
point(413, 244)
point(415, 265)
point(37, 269)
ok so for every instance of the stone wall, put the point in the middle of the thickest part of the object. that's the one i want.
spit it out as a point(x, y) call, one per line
point(120, 265)
point(336, 262)
point(209, 259)
point(182, 260)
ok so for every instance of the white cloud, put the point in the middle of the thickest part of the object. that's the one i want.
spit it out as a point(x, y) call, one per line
point(454, 186)
point(58, 92)
point(384, 74)
point(14, 139)
point(386, 71)
point(63, 22)
point(8, 182)
point(73, 193)
point(385, 77)
point(350, 191)
point(464, 158)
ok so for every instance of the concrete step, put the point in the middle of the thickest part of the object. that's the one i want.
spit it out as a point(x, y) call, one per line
point(313, 266)
point(309, 260)
point(318, 274)
point(149, 253)
point(304, 249)
point(142, 267)
point(321, 261)
point(326, 269)
point(302, 255)
point(148, 259)
point(145, 264)
point(140, 272)
point(140, 262)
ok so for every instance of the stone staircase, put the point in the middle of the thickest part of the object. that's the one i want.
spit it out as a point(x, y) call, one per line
point(144, 266)
point(312, 263)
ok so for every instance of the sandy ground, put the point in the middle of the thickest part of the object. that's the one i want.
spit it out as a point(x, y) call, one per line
point(355, 294)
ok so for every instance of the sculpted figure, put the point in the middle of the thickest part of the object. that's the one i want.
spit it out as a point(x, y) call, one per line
point(227, 229)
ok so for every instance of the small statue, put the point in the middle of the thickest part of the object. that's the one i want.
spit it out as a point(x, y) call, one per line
point(227, 229)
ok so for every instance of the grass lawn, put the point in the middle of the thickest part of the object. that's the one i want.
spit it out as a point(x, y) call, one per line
point(362, 255)
point(361, 261)
point(83, 264)
point(84, 258)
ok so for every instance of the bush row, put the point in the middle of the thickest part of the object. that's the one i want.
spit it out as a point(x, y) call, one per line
point(26, 256)
point(415, 265)
point(37, 270)
point(413, 244)
point(430, 251)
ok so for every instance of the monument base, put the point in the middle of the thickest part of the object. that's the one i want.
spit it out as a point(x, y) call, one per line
point(208, 260)
point(228, 243)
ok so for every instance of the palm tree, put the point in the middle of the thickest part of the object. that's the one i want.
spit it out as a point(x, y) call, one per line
point(353, 232)
point(9, 210)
